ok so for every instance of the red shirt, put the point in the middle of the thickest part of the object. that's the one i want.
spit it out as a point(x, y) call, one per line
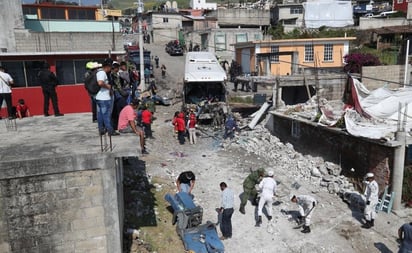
point(192, 120)
point(22, 109)
point(180, 123)
point(146, 117)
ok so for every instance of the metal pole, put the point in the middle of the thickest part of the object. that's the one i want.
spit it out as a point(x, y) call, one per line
point(406, 64)
point(141, 55)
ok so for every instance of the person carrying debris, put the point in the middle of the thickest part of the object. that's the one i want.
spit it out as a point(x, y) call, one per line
point(186, 181)
point(371, 197)
point(249, 189)
point(268, 188)
point(405, 237)
point(306, 205)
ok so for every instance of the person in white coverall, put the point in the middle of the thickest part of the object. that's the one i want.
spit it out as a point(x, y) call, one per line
point(268, 188)
point(371, 197)
point(306, 205)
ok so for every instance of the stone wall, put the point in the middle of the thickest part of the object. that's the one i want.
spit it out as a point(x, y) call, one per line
point(239, 17)
point(335, 146)
point(61, 204)
point(11, 17)
point(27, 41)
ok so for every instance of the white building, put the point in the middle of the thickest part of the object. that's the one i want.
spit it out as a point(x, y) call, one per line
point(202, 5)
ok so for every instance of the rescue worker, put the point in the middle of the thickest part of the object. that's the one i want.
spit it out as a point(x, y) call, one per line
point(249, 189)
point(268, 188)
point(405, 237)
point(371, 198)
point(186, 181)
point(306, 205)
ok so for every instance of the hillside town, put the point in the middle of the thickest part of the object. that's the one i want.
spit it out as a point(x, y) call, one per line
point(166, 126)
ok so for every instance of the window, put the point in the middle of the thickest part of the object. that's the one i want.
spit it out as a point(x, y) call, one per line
point(53, 13)
point(29, 10)
point(16, 71)
point(274, 56)
point(65, 72)
point(289, 22)
point(165, 20)
point(220, 42)
point(241, 37)
point(32, 70)
point(309, 53)
point(296, 10)
point(82, 14)
point(258, 36)
point(328, 52)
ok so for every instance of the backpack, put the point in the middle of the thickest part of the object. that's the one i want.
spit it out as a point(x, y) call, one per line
point(90, 82)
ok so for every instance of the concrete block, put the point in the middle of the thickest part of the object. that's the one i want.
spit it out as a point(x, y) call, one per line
point(97, 211)
point(74, 193)
point(57, 184)
point(81, 224)
point(90, 244)
point(5, 247)
point(67, 247)
point(63, 226)
point(78, 181)
point(96, 231)
point(93, 191)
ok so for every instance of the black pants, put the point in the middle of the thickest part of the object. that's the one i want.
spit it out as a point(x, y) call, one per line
point(94, 108)
point(50, 93)
point(147, 130)
point(226, 224)
point(181, 137)
point(7, 97)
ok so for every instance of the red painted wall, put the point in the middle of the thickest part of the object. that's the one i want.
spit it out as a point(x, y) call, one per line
point(72, 99)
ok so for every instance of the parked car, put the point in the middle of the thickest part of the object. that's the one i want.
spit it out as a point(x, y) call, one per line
point(174, 48)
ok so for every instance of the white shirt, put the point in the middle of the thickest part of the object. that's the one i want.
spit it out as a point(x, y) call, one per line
point(4, 84)
point(268, 186)
point(103, 94)
point(372, 191)
point(227, 198)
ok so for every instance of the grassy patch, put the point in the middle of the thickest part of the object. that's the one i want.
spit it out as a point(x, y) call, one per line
point(244, 99)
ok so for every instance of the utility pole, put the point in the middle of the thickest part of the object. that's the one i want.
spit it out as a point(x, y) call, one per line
point(140, 8)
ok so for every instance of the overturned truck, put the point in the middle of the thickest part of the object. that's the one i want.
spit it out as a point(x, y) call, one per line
point(204, 85)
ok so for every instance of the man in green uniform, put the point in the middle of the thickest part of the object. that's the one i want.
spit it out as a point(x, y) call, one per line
point(249, 188)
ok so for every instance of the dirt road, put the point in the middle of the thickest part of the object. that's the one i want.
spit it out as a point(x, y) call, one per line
point(335, 227)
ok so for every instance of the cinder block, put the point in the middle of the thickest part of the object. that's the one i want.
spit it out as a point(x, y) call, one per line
point(78, 181)
point(93, 191)
point(81, 224)
point(97, 211)
point(53, 185)
point(90, 244)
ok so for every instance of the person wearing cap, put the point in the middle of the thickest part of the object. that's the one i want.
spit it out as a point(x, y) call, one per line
point(185, 182)
point(268, 189)
point(91, 69)
point(249, 189)
point(127, 123)
point(48, 84)
point(306, 204)
point(405, 238)
point(5, 91)
point(371, 197)
point(104, 100)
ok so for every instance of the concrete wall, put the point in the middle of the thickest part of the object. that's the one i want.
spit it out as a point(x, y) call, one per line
point(11, 17)
point(61, 204)
point(331, 87)
point(372, 23)
point(394, 73)
point(239, 17)
point(335, 146)
point(27, 41)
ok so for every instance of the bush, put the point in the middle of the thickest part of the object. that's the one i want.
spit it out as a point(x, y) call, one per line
point(355, 62)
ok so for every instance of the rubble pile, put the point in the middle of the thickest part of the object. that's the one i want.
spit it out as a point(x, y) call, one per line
point(322, 175)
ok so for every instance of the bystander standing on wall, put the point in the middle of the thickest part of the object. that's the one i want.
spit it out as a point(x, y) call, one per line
point(49, 82)
point(5, 90)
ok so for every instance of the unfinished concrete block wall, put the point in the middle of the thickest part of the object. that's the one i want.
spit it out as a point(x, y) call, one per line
point(27, 41)
point(335, 146)
point(386, 74)
point(64, 204)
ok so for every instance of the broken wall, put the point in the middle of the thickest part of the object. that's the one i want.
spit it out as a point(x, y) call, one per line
point(391, 76)
point(335, 146)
